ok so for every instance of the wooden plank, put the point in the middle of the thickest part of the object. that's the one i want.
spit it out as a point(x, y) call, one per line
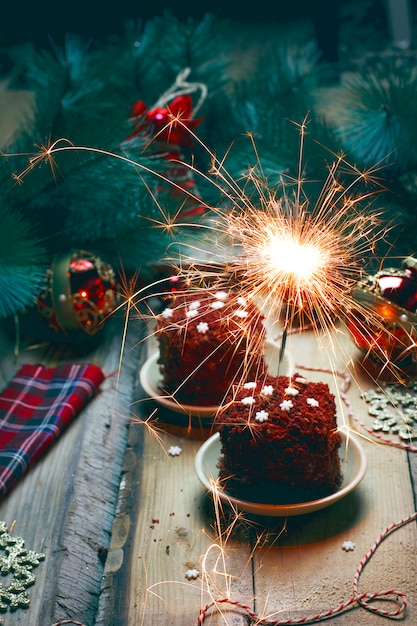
point(166, 526)
point(172, 530)
point(65, 505)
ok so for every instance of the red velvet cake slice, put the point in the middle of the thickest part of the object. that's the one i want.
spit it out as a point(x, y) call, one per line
point(208, 340)
point(279, 440)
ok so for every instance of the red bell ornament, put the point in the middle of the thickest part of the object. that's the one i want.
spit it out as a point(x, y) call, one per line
point(385, 323)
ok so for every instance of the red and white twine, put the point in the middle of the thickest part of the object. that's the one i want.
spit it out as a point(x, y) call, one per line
point(68, 621)
point(358, 599)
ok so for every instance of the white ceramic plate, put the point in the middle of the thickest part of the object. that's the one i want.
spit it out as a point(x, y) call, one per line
point(353, 460)
point(150, 378)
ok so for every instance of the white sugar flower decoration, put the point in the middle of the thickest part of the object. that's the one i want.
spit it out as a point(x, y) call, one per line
point(312, 402)
point(348, 546)
point(291, 391)
point(241, 313)
point(221, 295)
point(192, 574)
point(261, 416)
point(286, 405)
point(174, 450)
point(241, 301)
point(191, 313)
point(248, 400)
point(268, 390)
point(249, 385)
point(194, 305)
point(167, 313)
point(218, 304)
point(202, 327)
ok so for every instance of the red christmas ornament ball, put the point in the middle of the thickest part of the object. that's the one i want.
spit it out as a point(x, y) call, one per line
point(80, 293)
point(384, 325)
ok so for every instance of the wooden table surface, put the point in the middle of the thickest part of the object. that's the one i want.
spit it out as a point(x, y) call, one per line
point(282, 568)
point(109, 487)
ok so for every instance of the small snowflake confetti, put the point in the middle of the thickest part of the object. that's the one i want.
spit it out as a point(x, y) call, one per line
point(221, 295)
point(348, 546)
point(167, 313)
point(291, 391)
point(194, 305)
point(301, 379)
point(202, 327)
point(174, 450)
point(241, 313)
point(217, 305)
point(261, 416)
point(268, 390)
point(191, 313)
point(248, 400)
point(192, 574)
point(241, 301)
point(286, 405)
point(312, 402)
point(249, 385)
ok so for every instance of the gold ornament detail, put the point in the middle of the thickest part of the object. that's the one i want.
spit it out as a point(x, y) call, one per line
point(80, 293)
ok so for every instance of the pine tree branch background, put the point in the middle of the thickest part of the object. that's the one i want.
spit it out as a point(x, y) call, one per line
point(259, 77)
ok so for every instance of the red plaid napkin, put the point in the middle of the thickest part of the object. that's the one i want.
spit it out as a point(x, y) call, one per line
point(36, 406)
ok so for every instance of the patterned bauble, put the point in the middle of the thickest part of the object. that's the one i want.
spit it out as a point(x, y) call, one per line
point(79, 294)
point(389, 332)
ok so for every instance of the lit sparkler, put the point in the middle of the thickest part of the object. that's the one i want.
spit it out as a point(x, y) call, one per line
point(298, 260)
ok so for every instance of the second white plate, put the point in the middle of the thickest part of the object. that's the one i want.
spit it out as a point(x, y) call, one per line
point(150, 378)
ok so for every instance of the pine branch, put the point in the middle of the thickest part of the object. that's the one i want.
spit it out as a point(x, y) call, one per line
point(22, 263)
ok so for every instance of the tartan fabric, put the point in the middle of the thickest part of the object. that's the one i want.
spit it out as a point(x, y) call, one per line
point(36, 406)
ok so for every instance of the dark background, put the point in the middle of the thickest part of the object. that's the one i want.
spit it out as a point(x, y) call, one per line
point(44, 21)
